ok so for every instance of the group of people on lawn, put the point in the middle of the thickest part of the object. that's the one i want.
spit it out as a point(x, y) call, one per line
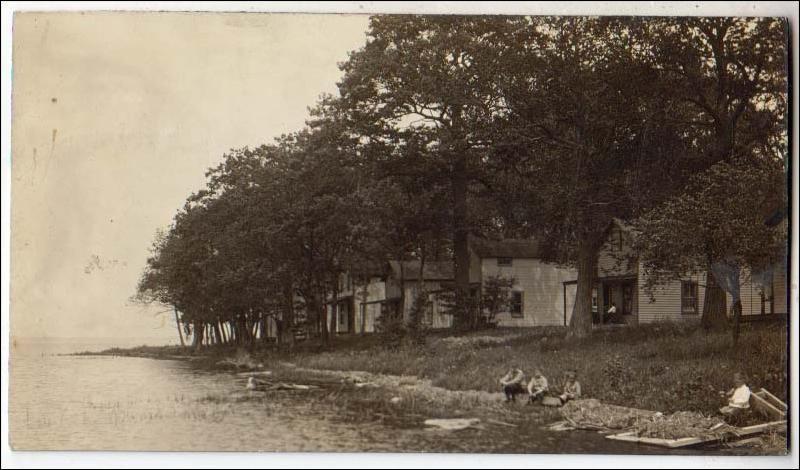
point(514, 384)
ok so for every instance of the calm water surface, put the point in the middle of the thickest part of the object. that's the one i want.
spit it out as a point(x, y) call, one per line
point(118, 403)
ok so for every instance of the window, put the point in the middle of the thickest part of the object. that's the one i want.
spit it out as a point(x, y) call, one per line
point(343, 312)
point(627, 298)
point(594, 300)
point(504, 261)
point(516, 304)
point(767, 294)
point(689, 297)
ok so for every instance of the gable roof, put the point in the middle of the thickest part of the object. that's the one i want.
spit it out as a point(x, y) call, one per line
point(432, 271)
point(508, 248)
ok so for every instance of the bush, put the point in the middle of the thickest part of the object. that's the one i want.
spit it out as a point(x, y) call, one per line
point(417, 330)
point(392, 330)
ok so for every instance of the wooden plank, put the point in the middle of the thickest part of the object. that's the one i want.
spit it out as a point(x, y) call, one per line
point(689, 441)
point(766, 408)
point(775, 401)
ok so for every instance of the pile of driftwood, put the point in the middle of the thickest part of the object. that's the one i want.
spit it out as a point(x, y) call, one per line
point(687, 429)
point(679, 429)
point(593, 415)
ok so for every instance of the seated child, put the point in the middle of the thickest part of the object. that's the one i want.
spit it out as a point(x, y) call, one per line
point(537, 386)
point(571, 389)
point(512, 383)
point(738, 396)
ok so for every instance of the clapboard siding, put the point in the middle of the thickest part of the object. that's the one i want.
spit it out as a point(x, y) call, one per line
point(781, 292)
point(663, 303)
point(542, 287)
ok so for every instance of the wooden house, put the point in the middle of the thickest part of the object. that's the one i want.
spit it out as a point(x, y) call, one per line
point(537, 296)
point(621, 281)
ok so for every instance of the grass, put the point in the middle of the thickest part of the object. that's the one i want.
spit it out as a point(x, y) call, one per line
point(667, 367)
point(663, 367)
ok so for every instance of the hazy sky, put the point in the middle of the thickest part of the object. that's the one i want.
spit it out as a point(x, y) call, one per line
point(116, 117)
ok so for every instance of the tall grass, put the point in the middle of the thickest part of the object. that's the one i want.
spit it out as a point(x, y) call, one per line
point(666, 367)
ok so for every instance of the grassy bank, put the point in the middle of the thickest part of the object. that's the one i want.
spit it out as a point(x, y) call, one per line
point(658, 367)
point(666, 367)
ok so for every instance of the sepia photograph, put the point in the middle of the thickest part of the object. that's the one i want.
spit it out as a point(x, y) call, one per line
point(405, 231)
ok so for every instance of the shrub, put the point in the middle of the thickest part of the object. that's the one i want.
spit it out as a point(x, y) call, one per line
point(391, 329)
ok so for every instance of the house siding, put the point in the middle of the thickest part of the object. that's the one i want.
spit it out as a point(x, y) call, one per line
point(542, 285)
point(664, 302)
point(781, 291)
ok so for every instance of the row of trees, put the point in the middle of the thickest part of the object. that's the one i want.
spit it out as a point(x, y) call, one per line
point(447, 127)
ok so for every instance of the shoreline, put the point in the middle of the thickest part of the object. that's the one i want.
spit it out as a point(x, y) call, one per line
point(676, 368)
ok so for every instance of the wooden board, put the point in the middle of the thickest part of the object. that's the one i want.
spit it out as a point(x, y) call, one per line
point(775, 401)
point(690, 441)
point(761, 403)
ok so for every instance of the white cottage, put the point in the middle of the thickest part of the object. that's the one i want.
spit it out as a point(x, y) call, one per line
point(538, 296)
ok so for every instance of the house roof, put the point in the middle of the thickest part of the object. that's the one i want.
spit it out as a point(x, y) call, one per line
point(508, 248)
point(368, 268)
point(432, 271)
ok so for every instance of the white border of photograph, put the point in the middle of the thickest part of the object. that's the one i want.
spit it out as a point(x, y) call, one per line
point(12, 459)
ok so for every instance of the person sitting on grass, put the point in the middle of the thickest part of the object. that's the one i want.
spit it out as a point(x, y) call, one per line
point(512, 383)
point(571, 389)
point(537, 387)
point(738, 397)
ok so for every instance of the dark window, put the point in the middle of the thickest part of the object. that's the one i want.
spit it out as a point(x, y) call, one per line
point(343, 314)
point(627, 298)
point(504, 261)
point(767, 294)
point(516, 304)
point(689, 297)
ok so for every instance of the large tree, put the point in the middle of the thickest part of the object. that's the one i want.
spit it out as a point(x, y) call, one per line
point(727, 77)
point(723, 223)
point(431, 76)
point(584, 139)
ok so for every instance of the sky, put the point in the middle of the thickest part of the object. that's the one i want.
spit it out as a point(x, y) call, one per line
point(115, 119)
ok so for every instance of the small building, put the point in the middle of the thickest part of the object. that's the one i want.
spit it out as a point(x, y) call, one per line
point(620, 280)
point(537, 296)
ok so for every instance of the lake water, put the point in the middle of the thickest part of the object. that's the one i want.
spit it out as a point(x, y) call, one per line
point(61, 402)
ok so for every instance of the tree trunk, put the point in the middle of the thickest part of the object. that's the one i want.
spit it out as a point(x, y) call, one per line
point(737, 303)
point(197, 339)
point(581, 322)
point(221, 326)
point(286, 323)
point(460, 242)
point(402, 303)
point(363, 310)
point(178, 322)
point(323, 319)
point(335, 308)
point(419, 305)
point(217, 333)
point(714, 304)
